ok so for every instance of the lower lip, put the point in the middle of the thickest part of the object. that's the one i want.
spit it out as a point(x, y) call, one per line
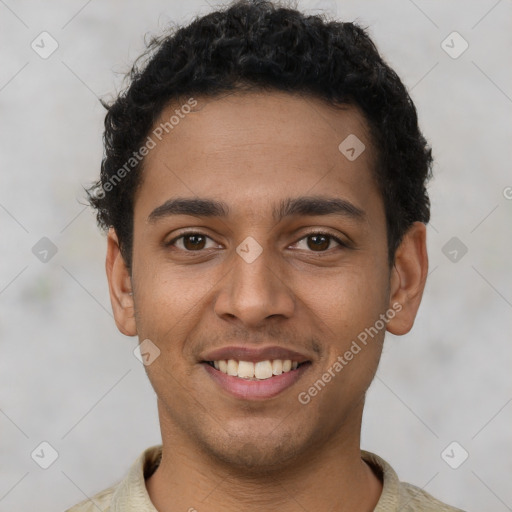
point(256, 389)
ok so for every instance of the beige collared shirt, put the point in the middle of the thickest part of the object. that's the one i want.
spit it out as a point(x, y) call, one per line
point(130, 494)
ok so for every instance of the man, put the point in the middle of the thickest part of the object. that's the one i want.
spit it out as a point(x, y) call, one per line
point(263, 188)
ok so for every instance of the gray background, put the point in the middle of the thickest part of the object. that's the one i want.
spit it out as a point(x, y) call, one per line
point(69, 378)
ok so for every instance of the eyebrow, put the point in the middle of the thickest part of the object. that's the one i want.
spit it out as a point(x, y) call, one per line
point(292, 206)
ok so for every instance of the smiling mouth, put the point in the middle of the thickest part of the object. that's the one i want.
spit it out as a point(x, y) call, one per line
point(256, 371)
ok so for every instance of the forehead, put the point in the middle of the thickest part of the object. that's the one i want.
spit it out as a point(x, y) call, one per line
point(254, 149)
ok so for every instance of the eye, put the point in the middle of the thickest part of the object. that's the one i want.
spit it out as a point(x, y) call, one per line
point(319, 241)
point(196, 241)
point(190, 242)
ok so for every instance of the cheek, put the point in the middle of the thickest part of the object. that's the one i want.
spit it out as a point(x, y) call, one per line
point(347, 300)
point(168, 299)
point(344, 312)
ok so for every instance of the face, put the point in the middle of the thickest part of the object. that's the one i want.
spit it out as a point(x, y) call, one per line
point(277, 251)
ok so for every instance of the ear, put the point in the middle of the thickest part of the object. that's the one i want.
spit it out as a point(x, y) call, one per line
point(408, 277)
point(120, 286)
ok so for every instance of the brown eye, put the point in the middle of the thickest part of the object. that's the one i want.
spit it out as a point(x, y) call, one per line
point(193, 242)
point(320, 242)
point(190, 242)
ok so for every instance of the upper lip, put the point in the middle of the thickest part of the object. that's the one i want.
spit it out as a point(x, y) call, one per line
point(254, 354)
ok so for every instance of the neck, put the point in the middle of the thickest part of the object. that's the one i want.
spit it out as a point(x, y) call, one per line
point(328, 476)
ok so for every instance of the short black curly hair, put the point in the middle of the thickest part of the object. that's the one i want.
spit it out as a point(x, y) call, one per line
point(266, 46)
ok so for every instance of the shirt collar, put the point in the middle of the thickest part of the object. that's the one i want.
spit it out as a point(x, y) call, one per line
point(131, 494)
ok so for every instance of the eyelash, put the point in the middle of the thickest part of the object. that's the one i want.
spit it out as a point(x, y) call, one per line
point(307, 235)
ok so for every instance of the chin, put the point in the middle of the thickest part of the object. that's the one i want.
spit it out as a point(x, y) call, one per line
point(255, 455)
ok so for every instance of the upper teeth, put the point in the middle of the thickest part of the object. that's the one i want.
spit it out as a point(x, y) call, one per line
point(259, 370)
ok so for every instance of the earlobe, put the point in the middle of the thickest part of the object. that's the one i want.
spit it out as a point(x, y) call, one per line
point(120, 286)
point(408, 278)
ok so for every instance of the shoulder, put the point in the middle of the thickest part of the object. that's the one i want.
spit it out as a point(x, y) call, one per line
point(99, 501)
point(401, 496)
point(129, 493)
point(413, 498)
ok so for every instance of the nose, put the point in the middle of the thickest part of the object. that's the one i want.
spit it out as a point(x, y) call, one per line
point(254, 289)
